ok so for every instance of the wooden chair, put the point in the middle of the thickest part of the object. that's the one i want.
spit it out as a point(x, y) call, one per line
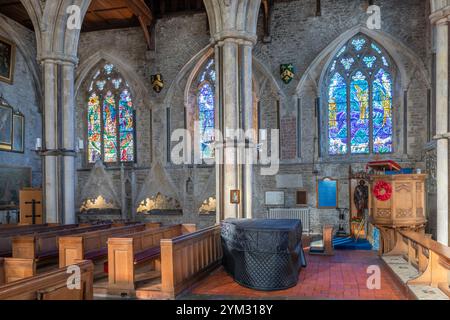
point(326, 248)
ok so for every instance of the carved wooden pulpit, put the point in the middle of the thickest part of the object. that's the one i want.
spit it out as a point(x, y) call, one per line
point(397, 202)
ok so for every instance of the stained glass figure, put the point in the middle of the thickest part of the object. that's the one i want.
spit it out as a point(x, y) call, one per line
point(111, 124)
point(94, 129)
point(360, 99)
point(206, 103)
point(359, 114)
point(337, 111)
point(382, 112)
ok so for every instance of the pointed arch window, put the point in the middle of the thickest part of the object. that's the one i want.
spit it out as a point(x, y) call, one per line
point(206, 87)
point(110, 118)
point(360, 97)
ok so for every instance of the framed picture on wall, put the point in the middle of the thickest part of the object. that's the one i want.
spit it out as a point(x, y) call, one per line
point(7, 60)
point(6, 138)
point(235, 197)
point(327, 193)
point(18, 133)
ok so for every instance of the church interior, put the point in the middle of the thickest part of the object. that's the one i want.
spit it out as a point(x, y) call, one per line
point(215, 149)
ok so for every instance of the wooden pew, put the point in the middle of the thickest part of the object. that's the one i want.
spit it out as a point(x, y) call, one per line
point(15, 230)
point(9, 227)
point(188, 258)
point(12, 270)
point(52, 285)
point(44, 246)
point(430, 259)
point(6, 237)
point(127, 254)
point(92, 245)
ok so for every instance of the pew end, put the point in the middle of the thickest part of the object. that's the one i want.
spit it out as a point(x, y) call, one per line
point(12, 270)
point(70, 250)
point(24, 247)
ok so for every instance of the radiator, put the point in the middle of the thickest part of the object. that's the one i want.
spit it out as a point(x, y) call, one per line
point(302, 214)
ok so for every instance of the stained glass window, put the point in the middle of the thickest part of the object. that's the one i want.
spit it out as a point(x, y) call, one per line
point(111, 123)
point(360, 99)
point(206, 102)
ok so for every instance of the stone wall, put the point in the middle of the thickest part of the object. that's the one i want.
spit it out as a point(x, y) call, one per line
point(22, 95)
point(298, 37)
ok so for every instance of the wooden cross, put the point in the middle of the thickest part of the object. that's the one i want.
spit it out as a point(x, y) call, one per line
point(33, 211)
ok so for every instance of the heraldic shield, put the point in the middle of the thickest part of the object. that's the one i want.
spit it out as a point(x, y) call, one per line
point(157, 82)
point(287, 72)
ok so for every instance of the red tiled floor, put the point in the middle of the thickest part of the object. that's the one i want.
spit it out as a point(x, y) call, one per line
point(342, 276)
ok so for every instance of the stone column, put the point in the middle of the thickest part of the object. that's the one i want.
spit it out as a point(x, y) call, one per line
point(248, 124)
point(69, 153)
point(51, 176)
point(59, 136)
point(442, 129)
point(233, 31)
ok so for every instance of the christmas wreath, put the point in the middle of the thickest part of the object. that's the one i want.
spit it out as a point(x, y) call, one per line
point(382, 191)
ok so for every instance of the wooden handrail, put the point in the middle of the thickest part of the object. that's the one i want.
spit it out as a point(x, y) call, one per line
point(186, 237)
point(428, 243)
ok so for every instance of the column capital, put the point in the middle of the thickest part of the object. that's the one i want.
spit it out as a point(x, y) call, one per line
point(233, 19)
point(58, 58)
point(441, 16)
point(242, 38)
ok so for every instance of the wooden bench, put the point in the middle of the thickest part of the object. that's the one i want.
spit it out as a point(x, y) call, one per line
point(12, 270)
point(127, 254)
point(52, 285)
point(7, 237)
point(43, 246)
point(93, 245)
point(421, 264)
point(184, 261)
point(13, 227)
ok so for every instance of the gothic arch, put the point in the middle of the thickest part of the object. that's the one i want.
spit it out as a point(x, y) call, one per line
point(54, 40)
point(136, 83)
point(399, 52)
point(29, 57)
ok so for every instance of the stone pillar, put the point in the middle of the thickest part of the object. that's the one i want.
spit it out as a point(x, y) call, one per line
point(51, 176)
point(59, 137)
point(233, 31)
point(69, 153)
point(442, 129)
point(248, 123)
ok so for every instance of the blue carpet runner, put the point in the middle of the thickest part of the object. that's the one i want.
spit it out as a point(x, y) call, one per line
point(351, 244)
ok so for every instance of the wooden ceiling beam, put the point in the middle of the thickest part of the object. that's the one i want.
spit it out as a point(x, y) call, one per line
point(145, 16)
point(267, 11)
